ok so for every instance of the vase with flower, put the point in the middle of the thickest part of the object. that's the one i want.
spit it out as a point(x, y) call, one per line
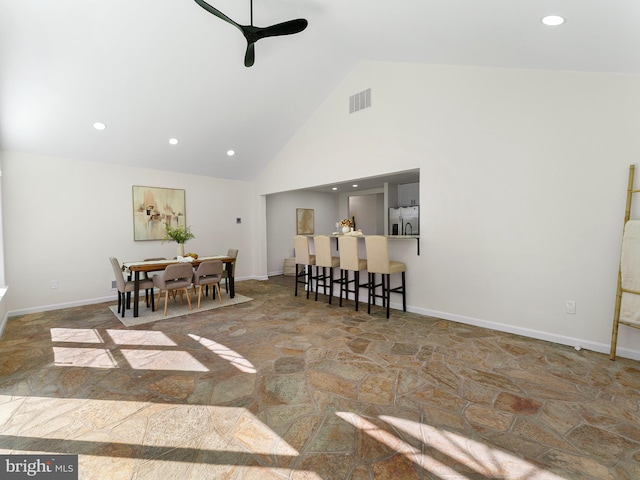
point(346, 225)
point(179, 234)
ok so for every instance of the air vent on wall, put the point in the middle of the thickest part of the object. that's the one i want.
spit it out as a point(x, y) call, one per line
point(360, 100)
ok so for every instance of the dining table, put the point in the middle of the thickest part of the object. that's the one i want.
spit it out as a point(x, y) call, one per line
point(134, 269)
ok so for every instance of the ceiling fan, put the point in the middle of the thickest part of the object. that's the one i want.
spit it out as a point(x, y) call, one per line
point(253, 34)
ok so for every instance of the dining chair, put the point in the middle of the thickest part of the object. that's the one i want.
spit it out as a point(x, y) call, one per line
point(176, 277)
point(377, 248)
point(149, 275)
point(125, 287)
point(230, 267)
point(208, 273)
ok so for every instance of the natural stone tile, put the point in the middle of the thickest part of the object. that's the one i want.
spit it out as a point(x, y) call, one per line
point(323, 465)
point(174, 386)
point(233, 388)
point(333, 383)
point(515, 404)
point(398, 466)
point(532, 430)
point(477, 393)
point(514, 443)
point(577, 466)
point(280, 417)
point(359, 345)
point(334, 436)
point(408, 381)
point(404, 349)
point(559, 416)
point(433, 396)
point(377, 389)
point(439, 374)
point(487, 417)
point(284, 389)
point(632, 432)
point(443, 418)
point(289, 365)
point(349, 372)
point(602, 444)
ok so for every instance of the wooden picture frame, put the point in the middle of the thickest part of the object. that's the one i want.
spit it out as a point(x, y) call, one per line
point(304, 221)
point(155, 206)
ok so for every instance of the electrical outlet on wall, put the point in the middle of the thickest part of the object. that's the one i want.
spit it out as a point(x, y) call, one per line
point(570, 307)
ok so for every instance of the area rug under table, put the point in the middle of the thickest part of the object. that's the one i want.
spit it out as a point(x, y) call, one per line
point(175, 309)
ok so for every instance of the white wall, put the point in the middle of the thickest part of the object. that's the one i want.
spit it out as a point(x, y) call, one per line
point(64, 218)
point(281, 222)
point(522, 185)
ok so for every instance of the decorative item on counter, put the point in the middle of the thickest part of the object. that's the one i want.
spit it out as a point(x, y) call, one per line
point(192, 255)
point(346, 225)
point(180, 235)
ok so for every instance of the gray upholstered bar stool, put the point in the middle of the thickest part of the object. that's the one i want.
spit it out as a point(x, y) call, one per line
point(350, 261)
point(377, 248)
point(304, 259)
point(324, 260)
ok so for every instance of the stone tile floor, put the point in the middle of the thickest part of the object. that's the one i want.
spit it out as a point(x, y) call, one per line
point(285, 387)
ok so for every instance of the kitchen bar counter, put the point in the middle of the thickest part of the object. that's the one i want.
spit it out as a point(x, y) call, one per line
point(391, 237)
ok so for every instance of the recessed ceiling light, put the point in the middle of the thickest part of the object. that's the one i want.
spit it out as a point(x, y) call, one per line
point(99, 126)
point(355, 185)
point(173, 141)
point(231, 153)
point(334, 188)
point(552, 20)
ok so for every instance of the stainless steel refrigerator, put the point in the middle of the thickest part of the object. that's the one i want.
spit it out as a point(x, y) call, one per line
point(404, 221)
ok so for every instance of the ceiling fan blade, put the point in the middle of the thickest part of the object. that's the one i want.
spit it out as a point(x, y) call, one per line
point(284, 28)
point(217, 13)
point(250, 55)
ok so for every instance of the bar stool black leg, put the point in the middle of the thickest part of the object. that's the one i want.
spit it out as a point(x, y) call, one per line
point(330, 284)
point(404, 295)
point(356, 276)
point(372, 277)
point(388, 293)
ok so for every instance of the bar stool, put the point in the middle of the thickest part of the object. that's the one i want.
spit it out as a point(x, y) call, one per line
point(325, 260)
point(377, 248)
point(350, 261)
point(304, 258)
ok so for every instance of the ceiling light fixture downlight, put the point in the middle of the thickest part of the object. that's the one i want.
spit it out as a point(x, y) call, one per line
point(173, 141)
point(231, 153)
point(99, 126)
point(552, 20)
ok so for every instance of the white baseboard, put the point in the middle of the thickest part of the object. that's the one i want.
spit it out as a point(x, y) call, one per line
point(576, 343)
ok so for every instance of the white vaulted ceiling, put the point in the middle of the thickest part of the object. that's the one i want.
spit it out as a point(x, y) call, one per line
point(152, 70)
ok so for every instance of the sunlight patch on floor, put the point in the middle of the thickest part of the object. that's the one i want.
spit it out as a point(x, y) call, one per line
point(234, 358)
point(170, 431)
point(482, 459)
